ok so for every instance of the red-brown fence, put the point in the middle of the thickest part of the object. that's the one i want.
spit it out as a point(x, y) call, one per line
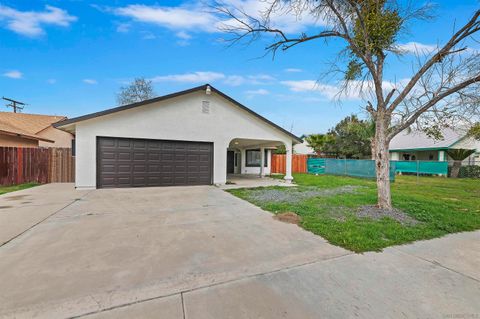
point(279, 161)
point(42, 165)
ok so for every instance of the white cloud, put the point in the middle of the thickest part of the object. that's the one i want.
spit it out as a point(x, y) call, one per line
point(261, 79)
point(281, 17)
point(184, 38)
point(257, 92)
point(210, 76)
point(123, 27)
point(176, 18)
point(198, 16)
point(416, 47)
point(235, 80)
point(356, 90)
point(31, 23)
point(183, 35)
point(147, 35)
point(255, 79)
point(293, 70)
point(89, 81)
point(14, 74)
point(194, 77)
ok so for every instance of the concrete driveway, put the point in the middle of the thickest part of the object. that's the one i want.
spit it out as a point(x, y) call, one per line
point(198, 252)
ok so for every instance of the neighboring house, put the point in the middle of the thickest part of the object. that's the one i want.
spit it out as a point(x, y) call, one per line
point(32, 130)
point(304, 149)
point(192, 137)
point(413, 146)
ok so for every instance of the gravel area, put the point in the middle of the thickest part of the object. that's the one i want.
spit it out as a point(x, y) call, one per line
point(297, 194)
point(377, 213)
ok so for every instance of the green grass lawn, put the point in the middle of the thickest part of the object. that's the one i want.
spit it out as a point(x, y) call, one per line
point(440, 206)
point(13, 188)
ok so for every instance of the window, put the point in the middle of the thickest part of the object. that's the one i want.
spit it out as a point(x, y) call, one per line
point(253, 158)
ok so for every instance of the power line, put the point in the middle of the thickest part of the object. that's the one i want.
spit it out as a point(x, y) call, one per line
point(15, 105)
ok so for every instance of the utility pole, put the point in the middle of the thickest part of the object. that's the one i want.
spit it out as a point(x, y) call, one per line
point(15, 105)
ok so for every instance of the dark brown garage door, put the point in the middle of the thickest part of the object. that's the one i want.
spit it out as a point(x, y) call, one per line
point(126, 162)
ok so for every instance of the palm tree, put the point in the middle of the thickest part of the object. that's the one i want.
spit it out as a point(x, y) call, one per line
point(458, 155)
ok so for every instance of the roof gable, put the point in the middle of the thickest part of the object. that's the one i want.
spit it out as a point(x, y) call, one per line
point(170, 96)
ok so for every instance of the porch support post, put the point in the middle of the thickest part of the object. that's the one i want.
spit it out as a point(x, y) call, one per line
point(262, 162)
point(288, 169)
point(441, 156)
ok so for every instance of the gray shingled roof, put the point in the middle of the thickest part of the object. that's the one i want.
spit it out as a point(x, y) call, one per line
point(415, 139)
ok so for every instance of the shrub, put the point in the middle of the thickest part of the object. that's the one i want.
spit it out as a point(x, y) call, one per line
point(472, 171)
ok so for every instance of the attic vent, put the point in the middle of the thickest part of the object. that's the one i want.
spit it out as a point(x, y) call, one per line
point(206, 107)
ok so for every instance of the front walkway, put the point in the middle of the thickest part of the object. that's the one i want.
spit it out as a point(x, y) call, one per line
point(198, 252)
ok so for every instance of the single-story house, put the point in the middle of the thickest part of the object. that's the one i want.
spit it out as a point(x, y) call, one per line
point(418, 146)
point(304, 149)
point(192, 137)
point(32, 130)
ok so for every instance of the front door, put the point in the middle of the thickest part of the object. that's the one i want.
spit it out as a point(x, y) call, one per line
point(230, 162)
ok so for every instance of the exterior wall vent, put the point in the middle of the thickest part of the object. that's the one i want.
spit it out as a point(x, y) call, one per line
point(206, 107)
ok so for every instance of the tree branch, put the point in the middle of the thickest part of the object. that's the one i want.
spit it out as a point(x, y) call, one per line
point(471, 27)
point(438, 97)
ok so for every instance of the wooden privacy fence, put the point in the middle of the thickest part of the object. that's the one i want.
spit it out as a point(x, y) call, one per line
point(279, 161)
point(42, 165)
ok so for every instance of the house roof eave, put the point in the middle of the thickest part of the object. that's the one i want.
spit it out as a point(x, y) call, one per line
point(68, 122)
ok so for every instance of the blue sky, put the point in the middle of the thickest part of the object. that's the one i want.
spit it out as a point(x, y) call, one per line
point(71, 57)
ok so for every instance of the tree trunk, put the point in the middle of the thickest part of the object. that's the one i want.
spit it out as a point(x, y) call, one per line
point(373, 148)
point(382, 164)
point(456, 169)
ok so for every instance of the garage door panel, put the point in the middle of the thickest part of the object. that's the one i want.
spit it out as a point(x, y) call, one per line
point(139, 144)
point(124, 156)
point(124, 143)
point(142, 162)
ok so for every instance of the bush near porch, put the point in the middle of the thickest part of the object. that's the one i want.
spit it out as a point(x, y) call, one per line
point(329, 206)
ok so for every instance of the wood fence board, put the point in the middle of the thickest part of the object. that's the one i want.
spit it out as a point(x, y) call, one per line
point(279, 161)
point(42, 165)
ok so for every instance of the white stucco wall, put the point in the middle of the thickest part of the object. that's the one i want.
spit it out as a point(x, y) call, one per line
point(180, 118)
point(303, 148)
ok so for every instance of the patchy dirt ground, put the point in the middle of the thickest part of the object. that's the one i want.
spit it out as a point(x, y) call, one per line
point(374, 212)
point(297, 194)
point(288, 217)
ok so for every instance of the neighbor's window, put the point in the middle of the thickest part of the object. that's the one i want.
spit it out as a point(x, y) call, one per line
point(253, 158)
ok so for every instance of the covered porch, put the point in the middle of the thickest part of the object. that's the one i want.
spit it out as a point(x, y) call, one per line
point(433, 154)
point(253, 157)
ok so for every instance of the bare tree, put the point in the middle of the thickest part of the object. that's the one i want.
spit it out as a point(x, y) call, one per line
point(139, 90)
point(444, 86)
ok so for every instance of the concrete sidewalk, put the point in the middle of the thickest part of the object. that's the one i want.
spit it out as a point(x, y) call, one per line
point(199, 252)
point(398, 283)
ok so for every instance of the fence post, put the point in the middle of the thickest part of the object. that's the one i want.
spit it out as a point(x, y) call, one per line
point(345, 161)
point(418, 169)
